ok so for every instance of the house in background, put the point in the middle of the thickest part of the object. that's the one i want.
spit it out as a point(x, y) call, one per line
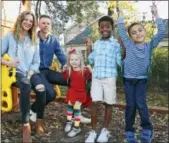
point(75, 37)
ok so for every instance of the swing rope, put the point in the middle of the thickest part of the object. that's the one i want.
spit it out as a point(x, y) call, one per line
point(151, 44)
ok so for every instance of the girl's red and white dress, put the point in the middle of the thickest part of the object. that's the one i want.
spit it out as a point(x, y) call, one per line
point(77, 88)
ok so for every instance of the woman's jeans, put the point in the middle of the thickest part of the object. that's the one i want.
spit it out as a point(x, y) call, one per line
point(135, 92)
point(25, 90)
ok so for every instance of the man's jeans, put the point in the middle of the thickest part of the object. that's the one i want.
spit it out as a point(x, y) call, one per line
point(50, 77)
point(135, 92)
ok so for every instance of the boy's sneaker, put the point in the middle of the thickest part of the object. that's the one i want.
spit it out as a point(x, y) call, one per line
point(91, 137)
point(131, 137)
point(68, 126)
point(85, 120)
point(32, 116)
point(146, 136)
point(74, 132)
point(104, 135)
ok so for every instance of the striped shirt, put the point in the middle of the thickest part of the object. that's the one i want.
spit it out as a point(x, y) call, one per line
point(105, 57)
point(137, 60)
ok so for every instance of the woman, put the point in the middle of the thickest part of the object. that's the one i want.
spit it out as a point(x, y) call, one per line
point(21, 45)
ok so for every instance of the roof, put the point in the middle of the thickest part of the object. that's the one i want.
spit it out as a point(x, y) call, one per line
point(79, 39)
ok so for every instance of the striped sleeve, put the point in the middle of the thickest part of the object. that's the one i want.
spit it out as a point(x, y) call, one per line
point(122, 30)
point(160, 34)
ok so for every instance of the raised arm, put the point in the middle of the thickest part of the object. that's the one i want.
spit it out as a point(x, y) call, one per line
point(160, 27)
point(89, 44)
point(122, 29)
point(91, 57)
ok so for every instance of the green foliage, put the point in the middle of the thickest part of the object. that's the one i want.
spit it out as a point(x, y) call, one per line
point(128, 8)
point(159, 77)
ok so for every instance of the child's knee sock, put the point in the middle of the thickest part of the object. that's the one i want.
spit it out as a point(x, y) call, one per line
point(77, 114)
point(69, 111)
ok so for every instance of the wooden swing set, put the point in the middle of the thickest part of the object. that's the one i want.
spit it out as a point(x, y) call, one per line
point(10, 94)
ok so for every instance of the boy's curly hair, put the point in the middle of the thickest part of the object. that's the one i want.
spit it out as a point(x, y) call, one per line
point(108, 19)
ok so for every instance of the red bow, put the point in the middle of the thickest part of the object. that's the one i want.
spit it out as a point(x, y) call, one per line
point(72, 51)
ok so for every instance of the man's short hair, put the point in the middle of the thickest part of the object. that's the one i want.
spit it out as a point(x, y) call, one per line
point(44, 16)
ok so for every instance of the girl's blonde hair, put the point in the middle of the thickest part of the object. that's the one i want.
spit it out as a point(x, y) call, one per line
point(17, 28)
point(79, 54)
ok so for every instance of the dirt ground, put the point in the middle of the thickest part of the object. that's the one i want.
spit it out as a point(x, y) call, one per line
point(55, 122)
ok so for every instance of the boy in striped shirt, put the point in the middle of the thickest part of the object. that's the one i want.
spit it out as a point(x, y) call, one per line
point(135, 74)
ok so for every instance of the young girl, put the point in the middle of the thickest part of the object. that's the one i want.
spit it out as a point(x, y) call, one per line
point(76, 74)
point(135, 74)
point(22, 46)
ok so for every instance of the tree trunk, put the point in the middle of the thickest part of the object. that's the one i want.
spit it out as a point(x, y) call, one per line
point(26, 5)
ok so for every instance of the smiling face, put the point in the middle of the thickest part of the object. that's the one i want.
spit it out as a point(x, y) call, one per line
point(105, 29)
point(27, 22)
point(75, 61)
point(137, 33)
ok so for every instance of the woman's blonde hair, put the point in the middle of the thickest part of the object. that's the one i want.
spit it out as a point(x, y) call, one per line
point(79, 54)
point(17, 28)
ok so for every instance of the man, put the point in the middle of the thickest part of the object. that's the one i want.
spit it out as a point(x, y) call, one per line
point(49, 47)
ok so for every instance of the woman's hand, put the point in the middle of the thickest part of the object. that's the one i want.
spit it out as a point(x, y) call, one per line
point(30, 73)
point(13, 63)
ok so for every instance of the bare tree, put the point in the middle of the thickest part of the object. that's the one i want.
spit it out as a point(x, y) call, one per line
point(63, 11)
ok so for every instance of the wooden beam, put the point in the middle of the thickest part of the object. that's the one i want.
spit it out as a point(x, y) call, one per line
point(153, 109)
point(161, 110)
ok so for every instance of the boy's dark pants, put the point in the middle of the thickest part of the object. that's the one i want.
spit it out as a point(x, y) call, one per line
point(135, 92)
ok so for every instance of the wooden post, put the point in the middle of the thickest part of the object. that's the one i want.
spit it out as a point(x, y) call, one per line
point(15, 99)
point(26, 5)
